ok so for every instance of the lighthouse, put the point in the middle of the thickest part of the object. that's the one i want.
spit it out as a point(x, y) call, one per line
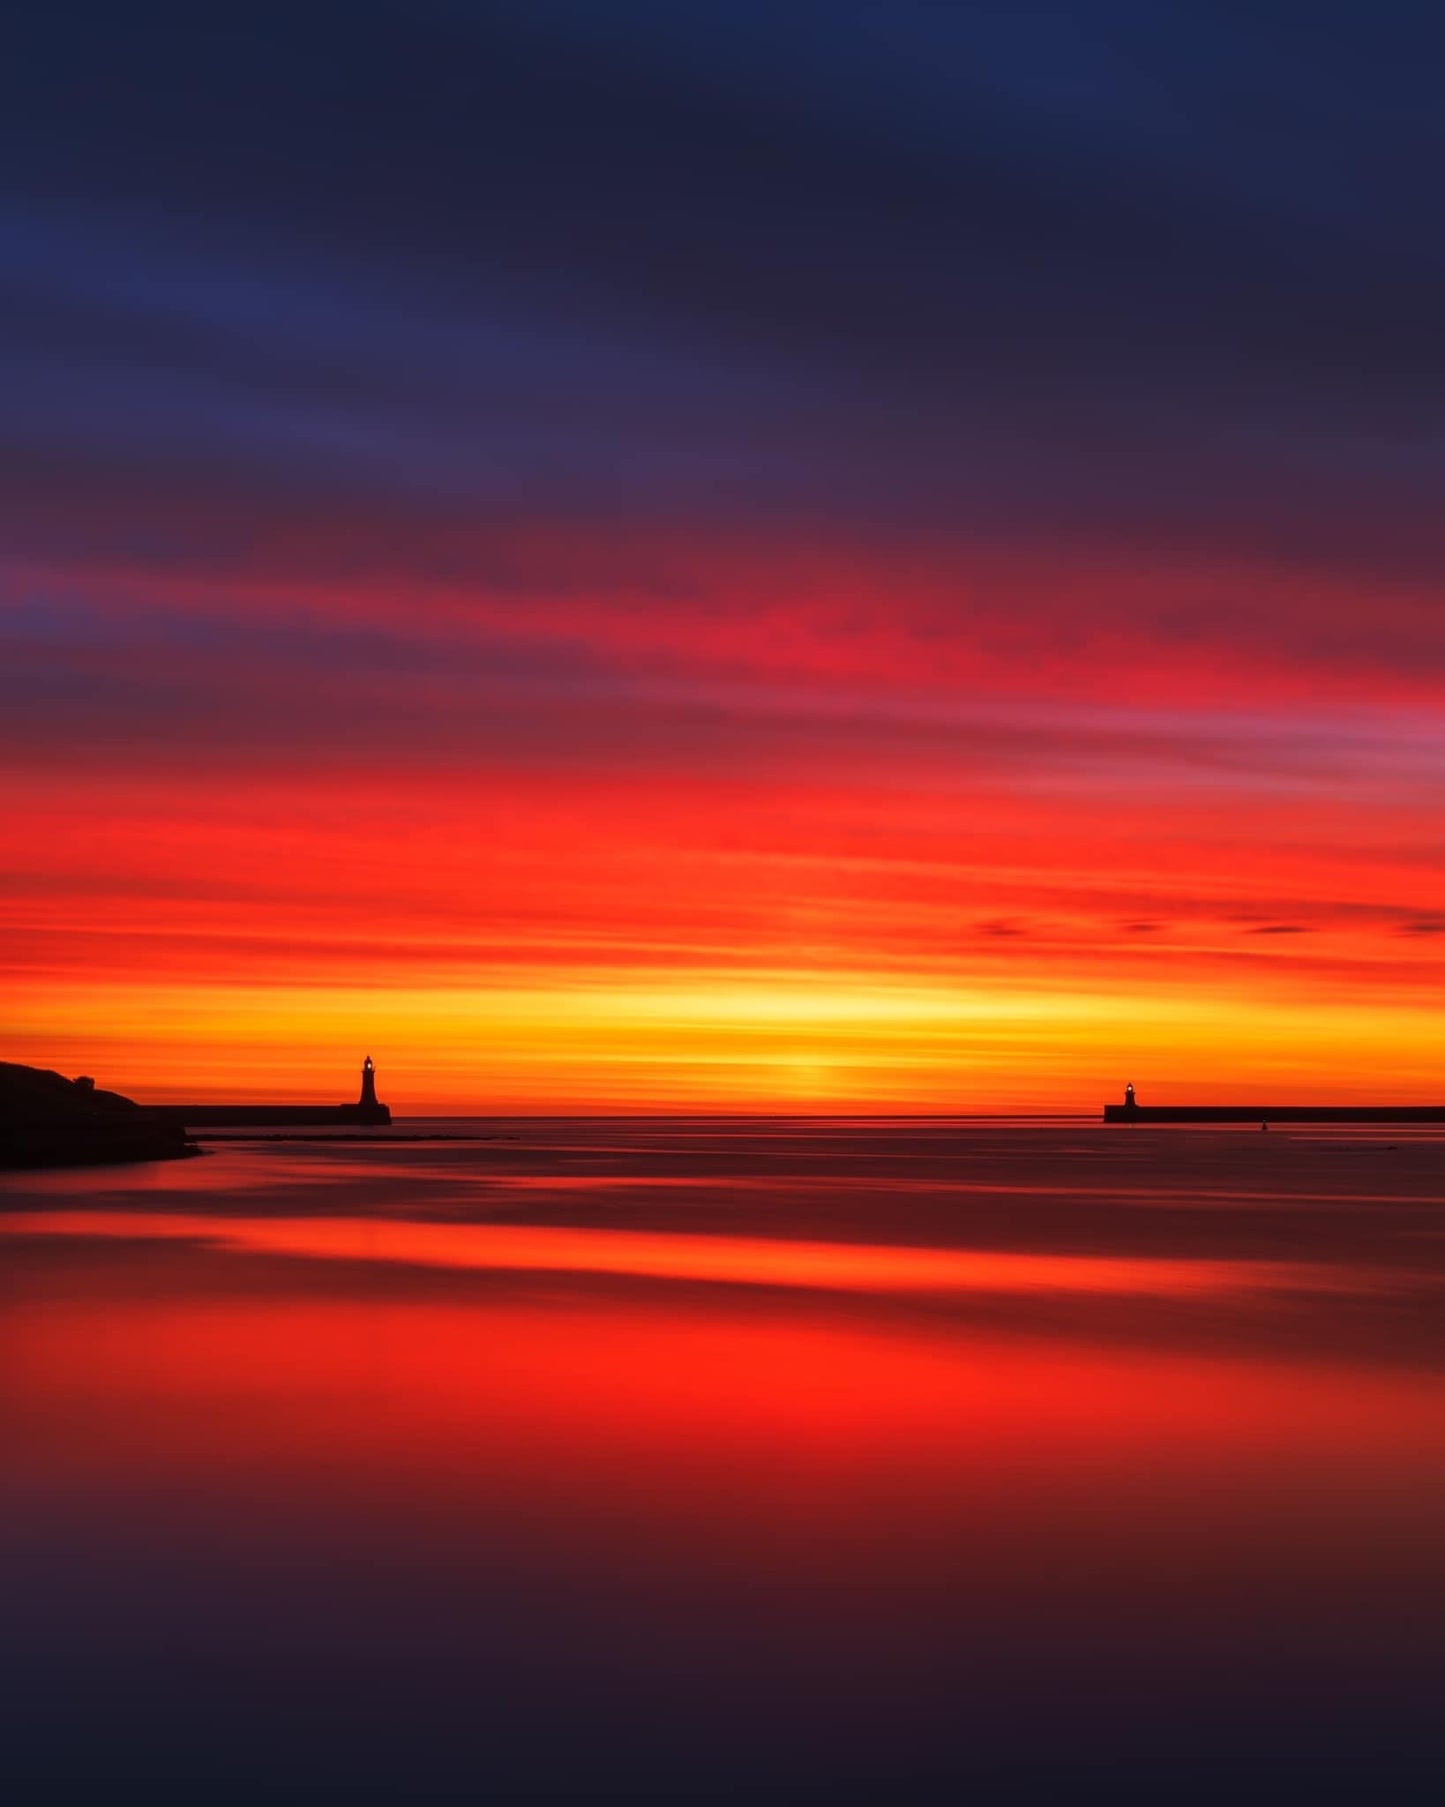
point(367, 1108)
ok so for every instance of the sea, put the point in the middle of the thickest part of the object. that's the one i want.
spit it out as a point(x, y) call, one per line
point(768, 1458)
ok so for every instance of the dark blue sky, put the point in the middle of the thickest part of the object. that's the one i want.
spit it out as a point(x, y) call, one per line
point(1171, 272)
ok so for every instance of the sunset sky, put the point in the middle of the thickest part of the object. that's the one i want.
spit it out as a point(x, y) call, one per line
point(645, 556)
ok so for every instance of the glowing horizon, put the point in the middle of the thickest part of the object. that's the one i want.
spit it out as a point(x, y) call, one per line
point(806, 896)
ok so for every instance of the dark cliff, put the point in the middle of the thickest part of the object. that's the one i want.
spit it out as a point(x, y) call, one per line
point(47, 1120)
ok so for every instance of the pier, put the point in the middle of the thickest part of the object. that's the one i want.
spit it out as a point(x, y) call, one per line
point(367, 1112)
point(1131, 1111)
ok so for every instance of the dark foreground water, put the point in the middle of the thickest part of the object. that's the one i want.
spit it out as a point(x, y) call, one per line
point(868, 1459)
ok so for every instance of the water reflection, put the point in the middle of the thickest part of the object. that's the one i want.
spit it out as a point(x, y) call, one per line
point(380, 1502)
point(841, 1267)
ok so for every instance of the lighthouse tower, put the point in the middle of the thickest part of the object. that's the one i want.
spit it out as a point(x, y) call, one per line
point(367, 1107)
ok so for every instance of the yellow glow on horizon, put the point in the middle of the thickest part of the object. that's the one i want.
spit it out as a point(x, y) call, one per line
point(700, 1040)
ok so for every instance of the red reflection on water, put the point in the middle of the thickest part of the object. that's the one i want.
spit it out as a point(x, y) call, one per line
point(731, 1431)
point(427, 1517)
point(758, 1261)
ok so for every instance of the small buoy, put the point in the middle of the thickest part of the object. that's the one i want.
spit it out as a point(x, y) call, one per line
point(1264, 1126)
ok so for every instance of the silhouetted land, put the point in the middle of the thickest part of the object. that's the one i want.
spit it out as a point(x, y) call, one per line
point(47, 1120)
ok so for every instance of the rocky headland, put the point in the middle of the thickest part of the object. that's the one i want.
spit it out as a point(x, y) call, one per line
point(47, 1120)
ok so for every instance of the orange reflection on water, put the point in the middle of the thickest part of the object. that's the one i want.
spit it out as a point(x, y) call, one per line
point(754, 1261)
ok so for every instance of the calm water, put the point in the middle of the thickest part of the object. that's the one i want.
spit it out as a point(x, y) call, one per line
point(677, 1457)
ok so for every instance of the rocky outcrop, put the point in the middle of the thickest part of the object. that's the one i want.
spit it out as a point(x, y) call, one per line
point(47, 1120)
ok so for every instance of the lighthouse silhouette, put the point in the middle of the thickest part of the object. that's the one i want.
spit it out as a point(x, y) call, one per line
point(367, 1107)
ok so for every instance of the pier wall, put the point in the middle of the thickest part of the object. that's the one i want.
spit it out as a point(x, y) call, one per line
point(1274, 1113)
point(258, 1116)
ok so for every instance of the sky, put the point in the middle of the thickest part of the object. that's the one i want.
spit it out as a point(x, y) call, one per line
point(627, 557)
